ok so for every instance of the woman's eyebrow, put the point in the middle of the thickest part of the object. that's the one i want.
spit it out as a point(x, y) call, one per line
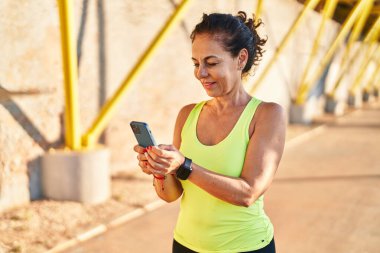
point(207, 57)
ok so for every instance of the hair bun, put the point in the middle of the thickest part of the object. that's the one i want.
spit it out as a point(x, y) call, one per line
point(235, 33)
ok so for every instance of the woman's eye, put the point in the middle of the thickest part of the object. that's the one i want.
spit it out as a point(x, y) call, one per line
point(212, 64)
point(196, 65)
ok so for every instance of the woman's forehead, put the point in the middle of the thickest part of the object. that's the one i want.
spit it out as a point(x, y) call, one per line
point(205, 45)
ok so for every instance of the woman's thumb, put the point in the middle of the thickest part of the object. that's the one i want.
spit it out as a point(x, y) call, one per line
point(167, 147)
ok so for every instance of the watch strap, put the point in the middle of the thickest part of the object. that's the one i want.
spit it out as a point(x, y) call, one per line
point(184, 171)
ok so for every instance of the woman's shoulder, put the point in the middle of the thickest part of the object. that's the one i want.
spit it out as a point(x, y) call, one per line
point(269, 111)
point(271, 107)
point(185, 110)
point(180, 122)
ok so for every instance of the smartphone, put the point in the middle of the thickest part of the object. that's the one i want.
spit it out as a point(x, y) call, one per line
point(143, 134)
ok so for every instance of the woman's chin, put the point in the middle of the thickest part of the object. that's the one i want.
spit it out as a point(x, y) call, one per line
point(211, 94)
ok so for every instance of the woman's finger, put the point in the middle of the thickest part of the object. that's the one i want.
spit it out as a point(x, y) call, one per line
point(144, 167)
point(155, 171)
point(161, 152)
point(141, 157)
point(167, 147)
point(139, 149)
point(155, 165)
point(158, 159)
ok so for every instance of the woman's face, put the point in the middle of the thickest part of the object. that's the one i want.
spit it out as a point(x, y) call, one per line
point(214, 67)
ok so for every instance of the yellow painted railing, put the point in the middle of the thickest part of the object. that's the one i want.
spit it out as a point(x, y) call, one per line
point(345, 29)
point(308, 6)
point(70, 72)
point(100, 123)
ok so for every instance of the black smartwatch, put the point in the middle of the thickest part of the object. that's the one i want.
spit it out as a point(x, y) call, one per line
point(184, 170)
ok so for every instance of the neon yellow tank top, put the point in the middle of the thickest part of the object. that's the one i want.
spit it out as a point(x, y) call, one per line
point(207, 224)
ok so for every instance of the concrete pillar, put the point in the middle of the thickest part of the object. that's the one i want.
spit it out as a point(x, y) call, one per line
point(304, 114)
point(368, 96)
point(355, 100)
point(334, 106)
point(82, 176)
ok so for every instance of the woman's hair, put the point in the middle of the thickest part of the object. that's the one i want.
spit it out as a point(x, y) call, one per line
point(234, 33)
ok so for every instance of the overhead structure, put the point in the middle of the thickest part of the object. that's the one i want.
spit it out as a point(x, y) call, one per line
point(349, 22)
point(357, 18)
point(371, 37)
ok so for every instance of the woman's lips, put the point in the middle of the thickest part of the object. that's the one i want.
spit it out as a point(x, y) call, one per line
point(208, 85)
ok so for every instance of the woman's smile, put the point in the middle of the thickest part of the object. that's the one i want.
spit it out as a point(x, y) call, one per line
point(208, 85)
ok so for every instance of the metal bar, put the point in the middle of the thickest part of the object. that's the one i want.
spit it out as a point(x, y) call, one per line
point(363, 67)
point(309, 5)
point(328, 12)
point(348, 23)
point(93, 133)
point(371, 35)
point(70, 71)
point(259, 9)
point(356, 31)
point(376, 81)
point(371, 82)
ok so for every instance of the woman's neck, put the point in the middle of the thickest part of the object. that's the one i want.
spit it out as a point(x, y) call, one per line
point(233, 99)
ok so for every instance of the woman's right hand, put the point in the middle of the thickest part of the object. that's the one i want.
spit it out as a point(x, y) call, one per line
point(143, 162)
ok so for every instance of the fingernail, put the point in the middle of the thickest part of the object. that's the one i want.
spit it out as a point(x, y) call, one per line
point(144, 150)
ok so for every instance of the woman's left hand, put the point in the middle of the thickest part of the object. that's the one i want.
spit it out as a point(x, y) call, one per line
point(164, 159)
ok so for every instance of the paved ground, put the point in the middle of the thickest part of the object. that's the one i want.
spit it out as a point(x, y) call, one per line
point(325, 198)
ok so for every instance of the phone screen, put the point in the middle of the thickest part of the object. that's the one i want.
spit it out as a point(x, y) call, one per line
point(143, 134)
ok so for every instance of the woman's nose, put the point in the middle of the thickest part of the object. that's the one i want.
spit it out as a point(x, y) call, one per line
point(202, 71)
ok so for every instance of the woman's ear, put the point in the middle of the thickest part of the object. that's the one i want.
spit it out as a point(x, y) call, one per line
point(242, 58)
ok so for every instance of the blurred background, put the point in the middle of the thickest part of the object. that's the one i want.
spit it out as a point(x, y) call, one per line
point(76, 90)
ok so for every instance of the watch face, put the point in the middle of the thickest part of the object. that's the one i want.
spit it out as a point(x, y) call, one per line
point(184, 170)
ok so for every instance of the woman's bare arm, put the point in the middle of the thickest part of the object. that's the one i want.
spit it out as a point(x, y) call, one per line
point(263, 156)
point(171, 189)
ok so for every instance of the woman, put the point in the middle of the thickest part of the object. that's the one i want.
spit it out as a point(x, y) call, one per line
point(225, 150)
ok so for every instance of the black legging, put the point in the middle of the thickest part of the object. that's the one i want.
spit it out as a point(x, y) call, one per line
point(179, 248)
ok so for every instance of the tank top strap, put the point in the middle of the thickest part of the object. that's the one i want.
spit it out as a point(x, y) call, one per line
point(250, 110)
point(242, 125)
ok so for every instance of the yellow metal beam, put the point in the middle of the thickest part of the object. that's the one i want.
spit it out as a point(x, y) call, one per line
point(70, 71)
point(374, 77)
point(348, 23)
point(376, 81)
point(259, 9)
point(359, 25)
point(357, 30)
point(376, 10)
point(308, 6)
point(370, 55)
point(371, 36)
point(93, 133)
point(328, 12)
